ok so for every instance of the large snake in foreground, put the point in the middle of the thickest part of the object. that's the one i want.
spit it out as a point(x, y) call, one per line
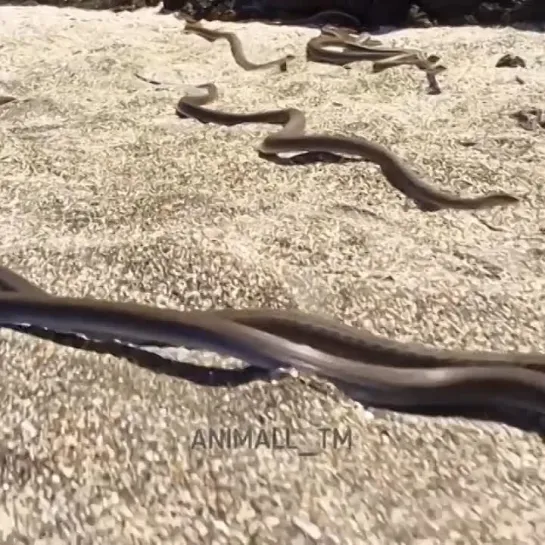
point(382, 372)
point(291, 138)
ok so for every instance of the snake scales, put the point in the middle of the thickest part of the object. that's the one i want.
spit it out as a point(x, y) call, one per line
point(291, 138)
point(401, 375)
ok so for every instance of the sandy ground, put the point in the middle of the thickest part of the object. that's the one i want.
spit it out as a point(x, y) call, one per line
point(106, 193)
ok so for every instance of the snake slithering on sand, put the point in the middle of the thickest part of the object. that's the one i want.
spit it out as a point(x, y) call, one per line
point(408, 376)
point(353, 49)
point(368, 49)
point(237, 50)
point(364, 49)
point(291, 138)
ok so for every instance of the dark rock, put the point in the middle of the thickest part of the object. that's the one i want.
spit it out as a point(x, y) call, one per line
point(511, 61)
point(501, 12)
point(387, 12)
point(418, 17)
point(530, 119)
point(371, 13)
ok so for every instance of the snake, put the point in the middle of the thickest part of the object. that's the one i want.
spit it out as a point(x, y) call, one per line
point(195, 27)
point(292, 138)
point(272, 339)
point(353, 50)
point(368, 49)
point(320, 18)
point(11, 282)
point(328, 335)
point(361, 48)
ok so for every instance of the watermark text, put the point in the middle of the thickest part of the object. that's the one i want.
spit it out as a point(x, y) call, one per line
point(307, 443)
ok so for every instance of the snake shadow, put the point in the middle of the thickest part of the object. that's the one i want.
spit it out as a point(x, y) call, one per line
point(216, 377)
point(522, 419)
point(157, 363)
point(309, 158)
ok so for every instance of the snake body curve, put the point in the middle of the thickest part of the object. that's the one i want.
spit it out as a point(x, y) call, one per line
point(235, 44)
point(322, 18)
point(353, 49)
point(330, 336)
point(291, 138)
point(368, 49)
point(229, 333)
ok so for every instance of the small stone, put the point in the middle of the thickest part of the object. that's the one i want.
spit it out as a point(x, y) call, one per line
point(201, 528)
point(28, 430)
point(308, 528)
point(6, 523)
point(67, 471)
point(149, 456)
point(221, 526)
point(125, 512)
point(271, 522)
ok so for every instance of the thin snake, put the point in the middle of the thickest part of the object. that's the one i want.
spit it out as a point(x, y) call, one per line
point(354, 49)
point(286, 339)
point(319, 19)
point(11, 282)
point(368, 49)
point(358, 50)
point(195, 27)
point(291, 138)
point(327, 335)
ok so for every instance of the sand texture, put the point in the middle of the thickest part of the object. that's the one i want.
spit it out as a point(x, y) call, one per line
point(106, 193)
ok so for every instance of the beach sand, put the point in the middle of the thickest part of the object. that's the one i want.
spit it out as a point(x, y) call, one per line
point(106, 193)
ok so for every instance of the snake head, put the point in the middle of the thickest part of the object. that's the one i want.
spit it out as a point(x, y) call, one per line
point(287, 60)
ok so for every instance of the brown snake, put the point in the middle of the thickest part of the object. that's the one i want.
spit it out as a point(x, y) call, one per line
point(322, 18)
point(291, 138)
point(363, 48)
point(410, 375)
point(237, 50)
point(400, 374)
point(368, 49)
